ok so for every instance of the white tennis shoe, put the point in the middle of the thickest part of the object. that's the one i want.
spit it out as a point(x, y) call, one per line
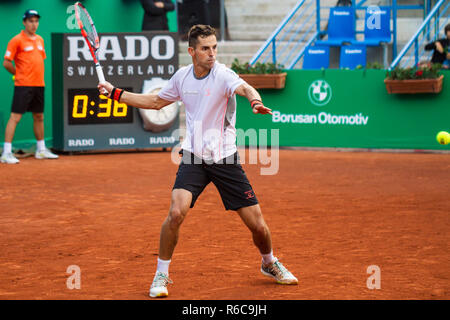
point(9, 158)
point(45, 154)
point(277, 271)
point(158, 288)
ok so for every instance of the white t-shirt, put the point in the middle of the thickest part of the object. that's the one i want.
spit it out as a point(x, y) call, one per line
point(210, 110)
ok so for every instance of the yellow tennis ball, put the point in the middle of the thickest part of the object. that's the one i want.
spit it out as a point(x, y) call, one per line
point(443, 137)
point(14, 78)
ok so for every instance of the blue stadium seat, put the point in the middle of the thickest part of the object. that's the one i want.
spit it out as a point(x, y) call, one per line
point(352, 56)
point(316, 57)
point(377, 26)
point(341, 26)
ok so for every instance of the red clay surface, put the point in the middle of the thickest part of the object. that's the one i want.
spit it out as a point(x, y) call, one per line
point(331, 215)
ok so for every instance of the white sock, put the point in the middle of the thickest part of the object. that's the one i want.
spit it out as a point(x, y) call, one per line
point(163, 266)
point(7, 148)
point(268, 258)
point(40, 145)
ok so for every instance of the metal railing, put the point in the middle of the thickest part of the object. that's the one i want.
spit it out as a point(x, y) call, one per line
point(290, 34)
point(437, 17)
point(288, 42)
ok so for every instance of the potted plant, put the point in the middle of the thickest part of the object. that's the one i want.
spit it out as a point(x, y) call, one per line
point(423, 79)
point(261, 75)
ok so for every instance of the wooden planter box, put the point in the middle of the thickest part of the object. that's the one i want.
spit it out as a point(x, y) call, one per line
point(414, 86)
point(265, 81)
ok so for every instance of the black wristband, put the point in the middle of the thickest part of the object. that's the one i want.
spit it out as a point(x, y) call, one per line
point(120, 95)
point(111, 94)
point(255, 102)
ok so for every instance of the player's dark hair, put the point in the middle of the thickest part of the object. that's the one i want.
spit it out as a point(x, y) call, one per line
point(199, 30)
point(447, 28)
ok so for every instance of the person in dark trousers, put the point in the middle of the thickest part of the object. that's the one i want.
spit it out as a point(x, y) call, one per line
point(155, 14)
point(441, 49)
point(24, 59)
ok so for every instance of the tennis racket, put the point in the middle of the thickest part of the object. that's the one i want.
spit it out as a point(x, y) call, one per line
point(90, 35)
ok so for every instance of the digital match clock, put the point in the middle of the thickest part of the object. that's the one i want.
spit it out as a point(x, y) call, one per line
point(87, 106)
point(85, 120)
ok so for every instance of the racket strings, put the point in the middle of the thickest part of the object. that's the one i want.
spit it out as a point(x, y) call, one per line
point(89, 28)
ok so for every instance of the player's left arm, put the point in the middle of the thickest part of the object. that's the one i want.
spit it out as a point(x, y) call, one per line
point(247, 91)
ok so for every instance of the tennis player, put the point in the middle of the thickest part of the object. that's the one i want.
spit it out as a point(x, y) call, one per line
point(207, 89)
point(27, 51)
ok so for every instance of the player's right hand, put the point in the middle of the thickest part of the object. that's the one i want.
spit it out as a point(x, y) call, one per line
point(105, 88)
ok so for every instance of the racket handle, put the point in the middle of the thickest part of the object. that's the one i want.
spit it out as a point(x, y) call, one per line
point(101, 77)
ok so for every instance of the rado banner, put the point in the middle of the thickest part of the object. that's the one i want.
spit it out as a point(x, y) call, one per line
point(84, 120)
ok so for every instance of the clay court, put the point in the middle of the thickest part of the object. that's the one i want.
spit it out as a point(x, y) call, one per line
point(331, 214)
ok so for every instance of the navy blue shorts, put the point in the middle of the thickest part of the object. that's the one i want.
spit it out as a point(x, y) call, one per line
point(229, 178)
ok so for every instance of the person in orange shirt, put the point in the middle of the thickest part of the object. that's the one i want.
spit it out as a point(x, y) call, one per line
point(27, 51)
